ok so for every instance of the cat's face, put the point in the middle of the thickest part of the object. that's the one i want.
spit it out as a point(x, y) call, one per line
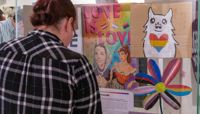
point(159, 23)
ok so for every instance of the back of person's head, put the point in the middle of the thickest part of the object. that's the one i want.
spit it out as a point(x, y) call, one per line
point(9, 12)
point(50, 12)
point(1, 12)
point(1, 15)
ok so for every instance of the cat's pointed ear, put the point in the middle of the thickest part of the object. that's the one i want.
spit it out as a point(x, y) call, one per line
point(169, 14)
point(150, 12)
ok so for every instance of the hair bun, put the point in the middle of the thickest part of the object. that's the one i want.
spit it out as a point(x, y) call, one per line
point(50, 12)
point(46, 18)
point(42, 18)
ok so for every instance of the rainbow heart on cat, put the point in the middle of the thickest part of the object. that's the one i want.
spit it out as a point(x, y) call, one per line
point(158, 42)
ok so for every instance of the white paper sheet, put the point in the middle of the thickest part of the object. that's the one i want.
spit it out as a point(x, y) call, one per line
point(116, 101)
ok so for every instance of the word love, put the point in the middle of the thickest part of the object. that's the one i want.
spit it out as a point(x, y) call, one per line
point(112, 37)
point(92, 15)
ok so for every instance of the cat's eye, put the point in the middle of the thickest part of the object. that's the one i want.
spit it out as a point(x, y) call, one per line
point(164, 21)
point(152, 20)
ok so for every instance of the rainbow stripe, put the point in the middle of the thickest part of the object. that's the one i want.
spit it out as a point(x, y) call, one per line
point(158, 42)
point(179, 90)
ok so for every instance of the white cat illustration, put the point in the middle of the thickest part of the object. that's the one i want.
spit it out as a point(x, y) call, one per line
point(159, 40)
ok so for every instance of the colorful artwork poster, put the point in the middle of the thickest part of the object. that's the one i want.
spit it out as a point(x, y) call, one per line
point(161, 30)
point(106, 37)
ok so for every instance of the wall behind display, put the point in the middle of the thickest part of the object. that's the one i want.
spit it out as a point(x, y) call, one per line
point(27, 11)
point(2, 2)
point(13, 3)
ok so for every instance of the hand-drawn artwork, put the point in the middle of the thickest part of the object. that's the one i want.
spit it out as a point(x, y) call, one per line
point(106, 38)
point(159, 39)
point(159, 86)
point(101, 62)
point(122, 71)
point(161, 30)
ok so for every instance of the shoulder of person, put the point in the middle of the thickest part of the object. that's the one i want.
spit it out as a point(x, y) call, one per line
point(132, 69)
point(115, 66)
point(2, 45)
point(69, 54)
point(66, 55)
point(2, 23)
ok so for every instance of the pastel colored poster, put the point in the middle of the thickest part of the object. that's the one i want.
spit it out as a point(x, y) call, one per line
point(161, 30)
point(106, 35)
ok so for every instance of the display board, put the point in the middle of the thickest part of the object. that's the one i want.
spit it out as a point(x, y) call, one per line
point(122, 40)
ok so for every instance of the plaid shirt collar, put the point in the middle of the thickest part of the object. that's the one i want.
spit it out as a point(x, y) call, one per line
point(46, 34)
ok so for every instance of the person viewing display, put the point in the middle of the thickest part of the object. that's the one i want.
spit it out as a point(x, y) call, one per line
point(1, 15)
point(39, 75)
point(7, 28)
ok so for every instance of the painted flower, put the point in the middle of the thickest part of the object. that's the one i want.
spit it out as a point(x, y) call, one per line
point(159, 87)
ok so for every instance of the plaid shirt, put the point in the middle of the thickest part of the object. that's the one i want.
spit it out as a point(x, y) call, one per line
point(38, 75)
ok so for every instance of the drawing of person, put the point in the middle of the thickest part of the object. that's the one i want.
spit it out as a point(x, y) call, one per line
point(121, 71)
point(101, 61)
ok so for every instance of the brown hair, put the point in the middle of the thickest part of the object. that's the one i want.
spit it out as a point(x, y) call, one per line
point(1, 15)
point(101, 45)
point(126, 50)
point(50, 12)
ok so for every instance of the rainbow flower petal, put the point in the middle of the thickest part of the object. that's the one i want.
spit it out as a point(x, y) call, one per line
point(179, 90)
point(171, 70)
point(154, 70)
point(144, 90)
point(151, 100)
point(142, 77)
point(170, 100)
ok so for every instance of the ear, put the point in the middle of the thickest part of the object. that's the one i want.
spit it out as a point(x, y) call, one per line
point(169, 14)
point(68, 24)
point(150, 12)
